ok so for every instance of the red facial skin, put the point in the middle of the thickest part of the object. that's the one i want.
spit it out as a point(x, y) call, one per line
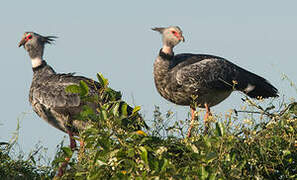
point(176, 34)
point(28, 37)
point(25, 39)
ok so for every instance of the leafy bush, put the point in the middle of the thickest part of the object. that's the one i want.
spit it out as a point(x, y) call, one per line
point(259, 144)
point(264, 149)
point(21, 167)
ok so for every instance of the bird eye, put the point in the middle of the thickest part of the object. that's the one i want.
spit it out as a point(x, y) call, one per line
point(173, 32)
point(28, 37)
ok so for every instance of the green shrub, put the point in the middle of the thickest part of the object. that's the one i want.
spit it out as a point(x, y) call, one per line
point(261, 143)
point(263, 148)
point(18, 167)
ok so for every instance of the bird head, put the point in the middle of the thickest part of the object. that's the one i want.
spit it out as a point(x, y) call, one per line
point(34, 43)
point(171, 35)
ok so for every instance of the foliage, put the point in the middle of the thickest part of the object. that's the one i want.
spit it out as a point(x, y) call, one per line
point(256, 150)
point(21, 167)
point(260, 143)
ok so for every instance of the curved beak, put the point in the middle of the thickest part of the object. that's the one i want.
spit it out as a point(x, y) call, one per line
point(22, 42)
point(182, 38)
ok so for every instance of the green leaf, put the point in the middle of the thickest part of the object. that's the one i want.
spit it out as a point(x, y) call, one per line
point(115, 109)
point(84, 88)
point(102, 80)
point(227, 157)
point(103, 114)
point(286, 152)
point(93, 176)
point(136, 109)
point(67, 151)
point(212, 176)
point(78, 174)
point(87, 111)
point(233, 157)
point(114, 95)
point(73, 89)
point(207, 141)
point(220, 130)
point(130, 152)
point(164, 166)
point(144, 154)
point(194, 148)
point(124, 112)
point(203, 174)
point(211, 156)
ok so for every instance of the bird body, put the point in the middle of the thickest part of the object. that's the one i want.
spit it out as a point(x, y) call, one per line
point(201, 80)
point(50, 100)
point(52, 103)
point(47, 92)
point(209, 79)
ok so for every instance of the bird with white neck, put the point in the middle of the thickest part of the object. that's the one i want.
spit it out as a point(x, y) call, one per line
point(48, 96)
point(201, 80)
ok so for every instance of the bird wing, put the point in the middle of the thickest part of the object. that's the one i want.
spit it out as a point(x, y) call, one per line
point(50, 91)
point(205, 71)
point(213, 72)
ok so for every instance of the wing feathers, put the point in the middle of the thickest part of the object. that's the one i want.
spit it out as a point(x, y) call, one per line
point(51, 91)
point(212, 72)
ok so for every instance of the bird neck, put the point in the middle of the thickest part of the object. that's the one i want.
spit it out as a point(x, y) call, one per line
point(167, 49)
point(162, 63)
point(42, 70)
point(37, 61)
point(35, 52)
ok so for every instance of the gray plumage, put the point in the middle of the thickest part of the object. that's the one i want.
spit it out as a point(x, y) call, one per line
point(207, 79)
point(50, 101)
point(47, 92)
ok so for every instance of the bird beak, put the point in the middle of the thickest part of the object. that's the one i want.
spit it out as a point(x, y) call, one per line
point(182, 38)
point(22, 42)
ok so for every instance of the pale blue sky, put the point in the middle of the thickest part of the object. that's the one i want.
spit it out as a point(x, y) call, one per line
point(114, 38)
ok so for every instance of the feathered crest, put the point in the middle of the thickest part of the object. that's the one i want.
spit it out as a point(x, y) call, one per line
point(49, 39)
point(162, 29)
point(42, 39)
point(159, 29)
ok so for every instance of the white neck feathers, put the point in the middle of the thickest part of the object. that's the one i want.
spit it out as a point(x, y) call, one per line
point(167, 50)
point(36, 62)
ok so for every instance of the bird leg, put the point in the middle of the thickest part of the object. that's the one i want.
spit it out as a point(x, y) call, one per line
point(192, 122)
point(67, 159)
point(72, 141)
point(63, 166)
point(207, 114)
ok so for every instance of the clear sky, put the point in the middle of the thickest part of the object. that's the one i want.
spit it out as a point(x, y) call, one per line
point(114, 38)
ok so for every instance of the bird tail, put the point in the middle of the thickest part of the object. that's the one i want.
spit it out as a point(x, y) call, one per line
point(257, 86)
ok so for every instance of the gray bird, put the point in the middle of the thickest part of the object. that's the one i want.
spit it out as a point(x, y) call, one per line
point(201, 80)
point(47, 92)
